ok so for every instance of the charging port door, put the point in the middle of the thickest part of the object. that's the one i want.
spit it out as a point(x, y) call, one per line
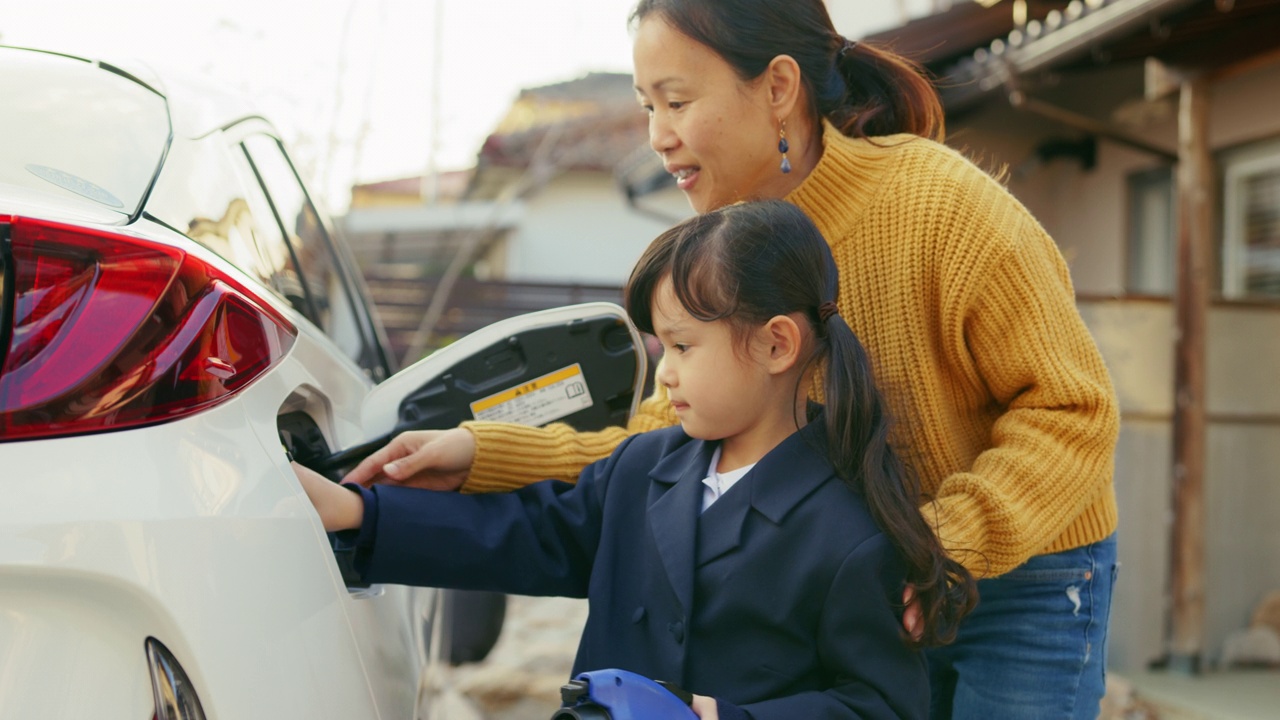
point(582, 364)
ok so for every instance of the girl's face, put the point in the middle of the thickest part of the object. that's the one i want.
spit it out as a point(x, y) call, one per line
point(715, 133)
point(718, 388)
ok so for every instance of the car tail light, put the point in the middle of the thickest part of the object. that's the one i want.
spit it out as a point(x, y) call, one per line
point(107, 332)
point(174, 694)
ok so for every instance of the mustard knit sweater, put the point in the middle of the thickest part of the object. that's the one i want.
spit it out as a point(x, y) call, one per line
point(1003, 404)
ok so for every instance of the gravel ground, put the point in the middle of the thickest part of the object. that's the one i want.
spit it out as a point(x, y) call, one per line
point(521, 678)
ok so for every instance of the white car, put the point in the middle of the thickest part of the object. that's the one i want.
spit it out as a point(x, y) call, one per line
point(176, 318)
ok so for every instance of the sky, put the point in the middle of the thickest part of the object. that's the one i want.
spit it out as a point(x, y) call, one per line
point(352, 84)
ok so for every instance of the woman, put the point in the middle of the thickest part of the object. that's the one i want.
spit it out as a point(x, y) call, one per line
point(1005, 408)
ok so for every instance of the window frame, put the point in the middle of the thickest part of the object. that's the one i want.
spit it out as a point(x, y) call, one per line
point(1237, 167)
point(372, 358)
point(1159, 177)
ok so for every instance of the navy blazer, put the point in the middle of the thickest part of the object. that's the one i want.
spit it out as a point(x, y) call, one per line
point(780, 598)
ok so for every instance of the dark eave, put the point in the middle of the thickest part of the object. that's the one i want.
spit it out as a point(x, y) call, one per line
point(1063, 38)
point(940, 39)
point(1207, 35)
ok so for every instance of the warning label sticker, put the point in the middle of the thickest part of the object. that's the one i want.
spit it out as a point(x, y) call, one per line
point(537, 402)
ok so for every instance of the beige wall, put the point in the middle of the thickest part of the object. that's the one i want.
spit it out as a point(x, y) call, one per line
point(1242, 474)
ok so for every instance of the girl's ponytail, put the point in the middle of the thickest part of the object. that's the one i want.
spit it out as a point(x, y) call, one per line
point(858, 425)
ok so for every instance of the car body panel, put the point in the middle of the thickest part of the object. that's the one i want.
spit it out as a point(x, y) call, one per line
point(194, 516)
point(203, 526)
point(53, 204)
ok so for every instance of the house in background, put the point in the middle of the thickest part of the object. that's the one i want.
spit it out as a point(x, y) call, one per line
point(540, 221)
point(1133, 128)
point(543, 193)
point(559, 148)
point(405, 246)
point(392, 221)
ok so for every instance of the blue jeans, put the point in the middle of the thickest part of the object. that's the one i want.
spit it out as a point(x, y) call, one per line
point(1036, 645)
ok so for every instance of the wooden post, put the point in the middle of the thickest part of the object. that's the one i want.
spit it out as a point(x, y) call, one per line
point(1195, 237)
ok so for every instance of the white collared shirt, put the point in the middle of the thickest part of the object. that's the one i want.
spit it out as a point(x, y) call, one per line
point(718, 483)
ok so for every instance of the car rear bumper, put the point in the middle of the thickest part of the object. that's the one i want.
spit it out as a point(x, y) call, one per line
point(194, 532)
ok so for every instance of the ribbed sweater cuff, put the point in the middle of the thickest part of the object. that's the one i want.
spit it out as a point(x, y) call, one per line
point(971, 538)
point(511, 456)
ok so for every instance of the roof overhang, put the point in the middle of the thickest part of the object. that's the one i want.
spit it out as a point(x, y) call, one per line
point(1061, 39)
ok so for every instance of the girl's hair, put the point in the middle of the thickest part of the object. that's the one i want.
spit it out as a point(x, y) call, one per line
point(749, 262)
point(863, 90)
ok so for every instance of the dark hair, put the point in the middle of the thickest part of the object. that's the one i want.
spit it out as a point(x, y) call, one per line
point(862, 89)
point(749, 262)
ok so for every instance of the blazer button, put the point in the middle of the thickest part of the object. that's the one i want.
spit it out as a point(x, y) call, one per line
point(638, 615)
point(677, 631)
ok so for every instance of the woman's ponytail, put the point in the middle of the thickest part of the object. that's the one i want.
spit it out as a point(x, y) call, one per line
point(884, 94)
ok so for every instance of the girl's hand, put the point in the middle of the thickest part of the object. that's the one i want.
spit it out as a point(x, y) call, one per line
point(705, 707)
point(338, 507)
point(431, 459)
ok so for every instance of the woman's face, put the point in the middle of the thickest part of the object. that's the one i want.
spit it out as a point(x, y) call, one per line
point(715, 133)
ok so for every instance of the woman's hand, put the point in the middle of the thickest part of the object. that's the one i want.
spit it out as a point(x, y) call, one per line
point(338, 507)
point(912, 615)
point(432, 459)
point(705, 707)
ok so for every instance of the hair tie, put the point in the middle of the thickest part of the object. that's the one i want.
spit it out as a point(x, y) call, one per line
point(826, 310)
point(848, 45)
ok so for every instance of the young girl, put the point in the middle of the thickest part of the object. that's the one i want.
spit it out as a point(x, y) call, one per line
point(756, 554)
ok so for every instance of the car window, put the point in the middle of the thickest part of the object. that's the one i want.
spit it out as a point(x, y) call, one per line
point(208, 191)
point(72, 128)
point(332, 302)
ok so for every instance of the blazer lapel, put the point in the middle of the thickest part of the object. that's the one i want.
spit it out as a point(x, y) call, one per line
point(782, 478)
point(791, 471)
point(720, 527)
point(675, 499)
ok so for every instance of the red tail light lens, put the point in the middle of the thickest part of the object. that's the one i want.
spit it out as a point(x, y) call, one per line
point(110, 332)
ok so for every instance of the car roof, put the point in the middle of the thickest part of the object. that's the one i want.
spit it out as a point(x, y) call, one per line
point(197, 105)
point(184, 108)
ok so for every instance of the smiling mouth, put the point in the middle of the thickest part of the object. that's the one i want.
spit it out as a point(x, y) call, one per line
point(685, 177)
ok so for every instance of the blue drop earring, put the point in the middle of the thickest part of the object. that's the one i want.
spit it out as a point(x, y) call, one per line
point(783, 147)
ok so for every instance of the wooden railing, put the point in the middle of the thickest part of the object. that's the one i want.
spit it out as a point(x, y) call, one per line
point(402, 296)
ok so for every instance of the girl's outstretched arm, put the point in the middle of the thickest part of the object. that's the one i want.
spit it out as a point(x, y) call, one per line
point(338, 507)
point(540, 540)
